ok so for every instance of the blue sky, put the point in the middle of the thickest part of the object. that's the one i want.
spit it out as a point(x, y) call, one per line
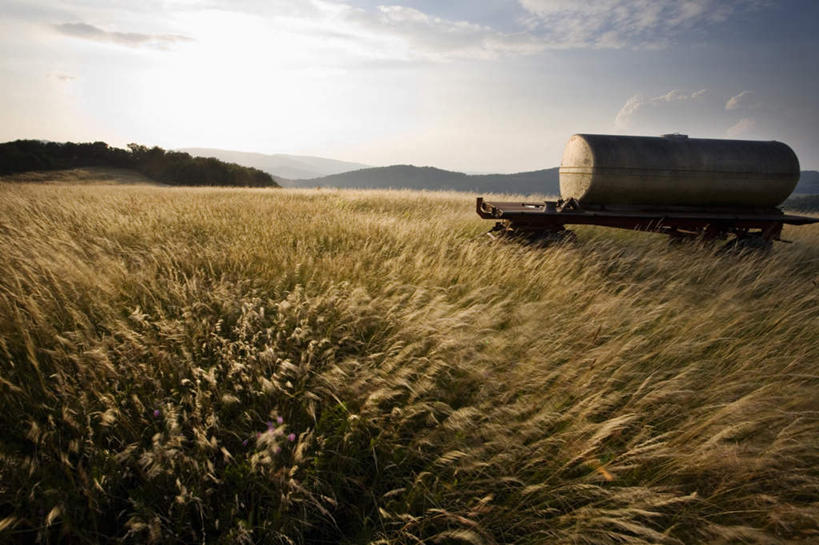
point(492, 85)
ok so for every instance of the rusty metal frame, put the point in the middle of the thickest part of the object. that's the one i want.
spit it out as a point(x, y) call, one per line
point(678, 222)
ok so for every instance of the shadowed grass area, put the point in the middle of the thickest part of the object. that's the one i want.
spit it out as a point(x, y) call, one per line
point(305, 366)
point(90, 175)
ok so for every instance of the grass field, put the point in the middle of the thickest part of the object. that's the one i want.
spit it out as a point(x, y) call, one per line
point(319, 366)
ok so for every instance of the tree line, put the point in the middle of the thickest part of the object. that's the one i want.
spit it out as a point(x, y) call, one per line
point(169, 167)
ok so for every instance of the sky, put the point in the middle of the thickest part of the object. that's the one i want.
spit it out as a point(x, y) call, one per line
point(469, 85)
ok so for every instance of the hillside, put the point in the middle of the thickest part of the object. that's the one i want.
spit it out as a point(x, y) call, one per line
point(802, 203)
point(168, 167)
point(188, 365)
point(542, 182)
point(808, 183)
point(430, 178)
point(87, 175)
point(310, 172)
point(280, 165)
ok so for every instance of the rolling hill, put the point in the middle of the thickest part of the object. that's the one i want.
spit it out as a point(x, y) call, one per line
point(301, 171)
point(542, 182)
point(155, 163)
point(430, 178)
point(808, 183)
point(280, 165)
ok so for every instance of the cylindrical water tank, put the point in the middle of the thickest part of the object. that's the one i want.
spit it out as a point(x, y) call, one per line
point(671, 170)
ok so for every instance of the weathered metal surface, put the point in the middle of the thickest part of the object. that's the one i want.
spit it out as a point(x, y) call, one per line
point(676, 170)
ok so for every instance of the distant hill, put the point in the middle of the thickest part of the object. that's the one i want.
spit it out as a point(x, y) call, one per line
point(808, 183)
point(412, 177)
point(307, 171)
point(280, 165)
point(168, 167)
point(802, 203)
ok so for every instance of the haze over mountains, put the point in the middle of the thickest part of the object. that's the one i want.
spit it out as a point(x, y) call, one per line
point(808, 183)
point(308, 172)
point(280, 165)
point(430, 178)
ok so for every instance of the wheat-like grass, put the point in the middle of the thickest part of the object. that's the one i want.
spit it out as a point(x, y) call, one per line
point(305, 366)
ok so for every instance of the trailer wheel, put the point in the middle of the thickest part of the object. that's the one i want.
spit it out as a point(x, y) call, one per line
point(754, 243)
point(551, 238)
point(537, 237)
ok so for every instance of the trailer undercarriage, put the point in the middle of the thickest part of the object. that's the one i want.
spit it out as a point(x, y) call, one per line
point(548, 220)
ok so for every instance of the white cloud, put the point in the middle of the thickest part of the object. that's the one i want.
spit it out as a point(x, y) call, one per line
point(385, 33)
point(128, 39)
point(743, 126)
point(403, 33)
point(395, 32)
point(638, 102)
point(624, 23)
point(431, 37)
point(59, 76)
point(743, 100)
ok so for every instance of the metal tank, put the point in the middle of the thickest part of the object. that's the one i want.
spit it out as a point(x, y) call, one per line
point(674, 170)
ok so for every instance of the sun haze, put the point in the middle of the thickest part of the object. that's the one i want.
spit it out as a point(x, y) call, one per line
point(497, 85)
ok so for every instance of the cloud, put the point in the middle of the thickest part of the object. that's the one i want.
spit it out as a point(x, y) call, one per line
point(400, 33)
point(435, 38)
point(625, 23)
point(405, 34)
point(62, 77)
point(127, 39)
point(743, 100)
point(743, 126)
point(638, 103)
point(431, 37)
point(391, 32)
point(548, 24)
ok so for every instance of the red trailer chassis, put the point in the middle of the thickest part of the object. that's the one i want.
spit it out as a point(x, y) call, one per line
point(548, 220)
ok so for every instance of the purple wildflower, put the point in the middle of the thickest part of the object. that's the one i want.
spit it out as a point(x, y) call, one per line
point(280, 420)
point(276, 449)
point(269, 425)
point(244, 443)
point(156, 412)
point(291, 437)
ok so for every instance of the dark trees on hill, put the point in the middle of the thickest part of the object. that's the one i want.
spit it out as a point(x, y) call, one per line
point(170, 167)
point(179, 168)
point(24, 155)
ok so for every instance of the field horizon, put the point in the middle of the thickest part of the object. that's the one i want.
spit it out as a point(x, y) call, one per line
point(364, 366)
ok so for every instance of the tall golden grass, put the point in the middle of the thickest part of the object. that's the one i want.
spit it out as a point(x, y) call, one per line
point(284, 366)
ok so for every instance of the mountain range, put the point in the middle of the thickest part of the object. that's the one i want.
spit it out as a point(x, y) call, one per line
point(308, 172)
point(544, 182)
point(808, 183)
point(280, 165)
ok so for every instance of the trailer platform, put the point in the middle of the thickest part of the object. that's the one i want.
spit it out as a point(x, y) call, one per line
point(549, 218)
